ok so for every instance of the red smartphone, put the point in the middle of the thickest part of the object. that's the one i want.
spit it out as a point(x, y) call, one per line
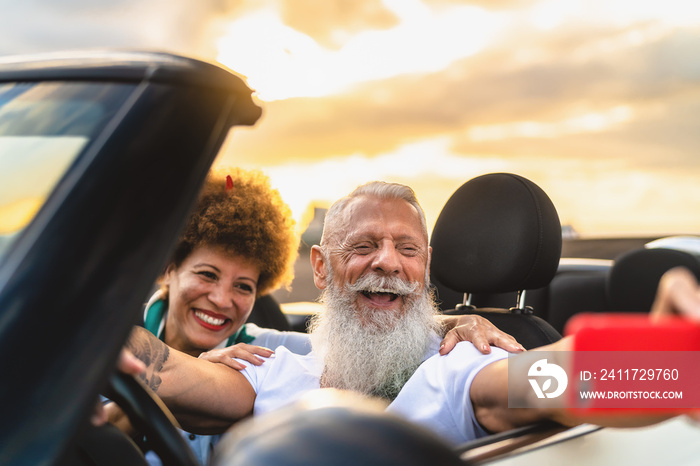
point(628, 364)
point(632, 332)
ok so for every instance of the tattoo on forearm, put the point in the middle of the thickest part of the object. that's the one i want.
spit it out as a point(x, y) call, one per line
point(153, 352)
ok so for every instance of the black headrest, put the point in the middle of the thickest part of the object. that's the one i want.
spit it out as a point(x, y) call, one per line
point(633, 278)
point(337, 435)
point(497, 233)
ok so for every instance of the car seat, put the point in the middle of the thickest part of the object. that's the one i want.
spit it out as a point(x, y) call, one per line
point(498, 233)
point(633, 278)
point(575, 291)
point(267, 313)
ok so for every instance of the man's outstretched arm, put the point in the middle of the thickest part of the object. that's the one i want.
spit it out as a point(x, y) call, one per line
point(678, 293)
point(205, 397)
point(489, 396)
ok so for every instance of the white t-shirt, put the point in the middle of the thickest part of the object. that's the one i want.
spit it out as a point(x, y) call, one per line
point(436, 396)
point(296, 342)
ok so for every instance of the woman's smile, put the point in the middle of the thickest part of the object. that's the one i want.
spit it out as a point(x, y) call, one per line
point(211, 320)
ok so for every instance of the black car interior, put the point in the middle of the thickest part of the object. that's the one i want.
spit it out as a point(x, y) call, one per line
point(498, 240)
point(633, 278)
point(332, 428)
point(498, 233)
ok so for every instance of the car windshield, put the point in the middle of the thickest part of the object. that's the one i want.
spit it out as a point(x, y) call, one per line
point(43, 128)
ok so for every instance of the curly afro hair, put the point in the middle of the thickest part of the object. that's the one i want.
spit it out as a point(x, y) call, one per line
point(249, 220)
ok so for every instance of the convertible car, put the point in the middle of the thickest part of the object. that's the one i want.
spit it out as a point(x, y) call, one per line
point(102, 155)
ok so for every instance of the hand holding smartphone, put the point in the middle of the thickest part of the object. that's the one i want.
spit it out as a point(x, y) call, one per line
point(632, 364)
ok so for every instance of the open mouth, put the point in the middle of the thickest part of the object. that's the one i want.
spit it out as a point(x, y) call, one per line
point(380, 296)
point(210, 321)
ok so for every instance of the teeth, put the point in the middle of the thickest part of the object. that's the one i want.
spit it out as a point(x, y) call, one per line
point(209, 319)
point(380, 290)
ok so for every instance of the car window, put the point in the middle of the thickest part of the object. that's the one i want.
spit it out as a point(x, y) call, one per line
point(43, 128)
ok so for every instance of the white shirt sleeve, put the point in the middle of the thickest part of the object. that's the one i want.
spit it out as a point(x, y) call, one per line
point(437, 395)
point(295, 342)
point(282, 379)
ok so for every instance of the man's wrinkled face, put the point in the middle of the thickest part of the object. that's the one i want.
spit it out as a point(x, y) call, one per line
point(382, 240)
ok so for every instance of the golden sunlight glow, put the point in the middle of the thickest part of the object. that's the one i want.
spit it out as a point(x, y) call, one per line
point(336, 177)
point(613, 193)
point(15, 216)
point(589, 122)
point(619, 198)
point(280, 62)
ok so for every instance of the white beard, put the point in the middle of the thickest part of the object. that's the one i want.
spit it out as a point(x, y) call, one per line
point(367, 350)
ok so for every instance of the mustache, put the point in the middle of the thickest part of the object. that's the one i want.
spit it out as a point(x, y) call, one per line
point(373, 283)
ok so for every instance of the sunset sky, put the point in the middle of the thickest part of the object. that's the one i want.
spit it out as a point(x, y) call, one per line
point(597, 101)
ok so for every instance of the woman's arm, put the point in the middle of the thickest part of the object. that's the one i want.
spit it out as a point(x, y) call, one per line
point(204, 397)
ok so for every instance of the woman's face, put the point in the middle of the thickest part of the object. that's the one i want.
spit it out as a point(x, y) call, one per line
point(211, 295)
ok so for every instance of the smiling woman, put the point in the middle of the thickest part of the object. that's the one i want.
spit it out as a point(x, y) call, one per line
point(239, 244)
point(211, 295)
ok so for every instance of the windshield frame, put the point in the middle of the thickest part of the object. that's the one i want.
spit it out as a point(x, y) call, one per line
point(45, 127)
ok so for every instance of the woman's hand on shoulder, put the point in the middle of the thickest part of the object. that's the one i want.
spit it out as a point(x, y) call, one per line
point(243, 351)
point(477, 330)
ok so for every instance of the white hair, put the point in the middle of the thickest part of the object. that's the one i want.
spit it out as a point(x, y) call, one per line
point(380, 189)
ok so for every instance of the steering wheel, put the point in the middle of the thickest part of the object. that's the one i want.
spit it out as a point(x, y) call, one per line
point(150, 416)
